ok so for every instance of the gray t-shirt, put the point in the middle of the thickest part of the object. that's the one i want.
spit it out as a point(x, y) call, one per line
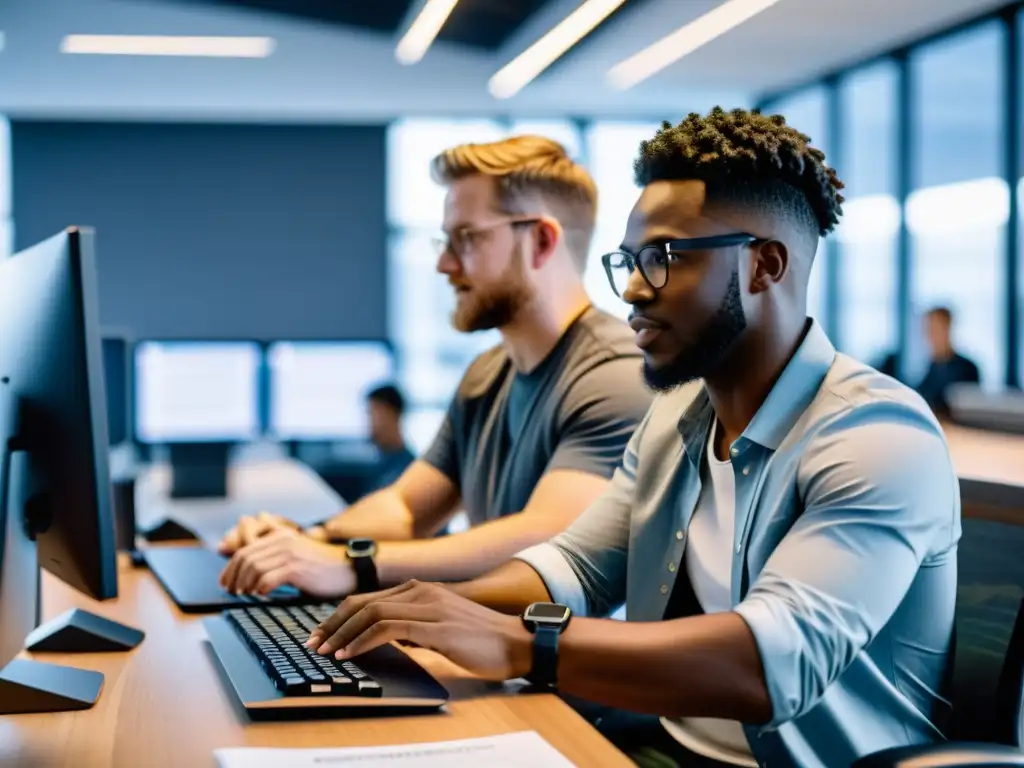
point(576, 410)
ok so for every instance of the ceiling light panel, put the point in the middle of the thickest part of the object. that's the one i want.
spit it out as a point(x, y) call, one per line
point(519, 72)
point(684, 41)
point(163, 45)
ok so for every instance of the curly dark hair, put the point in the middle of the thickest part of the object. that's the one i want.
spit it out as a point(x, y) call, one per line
point(747, 158)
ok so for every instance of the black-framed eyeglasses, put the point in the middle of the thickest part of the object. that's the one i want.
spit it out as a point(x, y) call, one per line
point(460, 241)
point(652, 260)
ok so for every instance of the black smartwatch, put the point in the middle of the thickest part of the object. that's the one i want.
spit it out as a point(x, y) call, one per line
point(360, 553)
point(546, 621)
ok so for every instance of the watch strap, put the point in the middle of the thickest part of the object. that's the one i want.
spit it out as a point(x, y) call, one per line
point(545, 655)
point(366, 574)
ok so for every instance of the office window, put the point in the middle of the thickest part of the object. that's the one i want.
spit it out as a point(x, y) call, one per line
point(6, 183)
point(1020, 227)
point(414, 200)
point(431, 356)
point(807, 111)
point(959, 207)
point(611, 149)
point(868, 233)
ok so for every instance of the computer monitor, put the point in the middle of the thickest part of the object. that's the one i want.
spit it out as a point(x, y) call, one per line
point(197, 391)
point(55, 499)
point(318, 388)
point(117, 376)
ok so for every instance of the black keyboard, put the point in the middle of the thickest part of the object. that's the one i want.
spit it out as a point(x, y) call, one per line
point(276, 637)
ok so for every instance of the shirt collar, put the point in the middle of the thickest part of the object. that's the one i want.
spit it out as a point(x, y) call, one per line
point(788, 399)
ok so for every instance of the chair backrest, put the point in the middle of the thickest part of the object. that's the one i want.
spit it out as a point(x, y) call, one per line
point(1010, 694)
point(988, 668)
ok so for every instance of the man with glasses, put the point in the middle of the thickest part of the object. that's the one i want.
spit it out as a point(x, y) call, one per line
point(783, 529)
point(538, 424)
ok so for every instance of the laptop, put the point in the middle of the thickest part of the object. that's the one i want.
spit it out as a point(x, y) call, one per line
point(191, 576)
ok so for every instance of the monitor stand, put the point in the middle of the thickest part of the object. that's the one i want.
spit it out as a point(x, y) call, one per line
point(78, 631)
point(30, 686)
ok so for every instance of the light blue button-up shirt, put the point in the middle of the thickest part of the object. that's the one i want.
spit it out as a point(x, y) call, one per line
point(843, 562)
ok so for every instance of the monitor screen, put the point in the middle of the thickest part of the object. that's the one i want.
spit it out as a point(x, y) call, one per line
point(318, 389)
point(116, 367)
point(197, 391)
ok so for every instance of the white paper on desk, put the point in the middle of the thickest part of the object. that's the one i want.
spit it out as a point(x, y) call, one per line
point(512, 750)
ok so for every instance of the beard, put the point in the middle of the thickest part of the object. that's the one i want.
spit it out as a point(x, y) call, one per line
point(714, 340)
point(486, 307)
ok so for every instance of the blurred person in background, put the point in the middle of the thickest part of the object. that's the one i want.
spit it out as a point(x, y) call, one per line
point(946, 366)
point(386, 405)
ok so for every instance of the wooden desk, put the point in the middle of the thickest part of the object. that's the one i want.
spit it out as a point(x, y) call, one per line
point(990, 466)
point(165, 704)
point(990, 456)
point(283, 486)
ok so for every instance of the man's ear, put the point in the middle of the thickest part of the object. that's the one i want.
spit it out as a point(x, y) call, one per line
point(770, 265)
point(547, 234)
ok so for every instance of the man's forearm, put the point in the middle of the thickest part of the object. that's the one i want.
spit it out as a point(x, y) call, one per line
point(509, 589)
point(705, 666)
point(461, 556)
point(382, 516)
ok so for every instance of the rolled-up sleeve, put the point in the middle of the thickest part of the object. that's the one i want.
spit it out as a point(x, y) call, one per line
point(880, 498)
point(559, 577)
point(585, 567)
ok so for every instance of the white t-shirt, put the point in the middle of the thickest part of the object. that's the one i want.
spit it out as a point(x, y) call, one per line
point(709, 565)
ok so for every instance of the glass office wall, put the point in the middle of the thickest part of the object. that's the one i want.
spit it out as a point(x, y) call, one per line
point(431, 355)
point(868, 233)
point(6, 215)
point(958, 210)
point(611, 149)
point(807, 111)
point(1019, 199)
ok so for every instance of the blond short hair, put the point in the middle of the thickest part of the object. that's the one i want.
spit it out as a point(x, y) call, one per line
point(528, 169)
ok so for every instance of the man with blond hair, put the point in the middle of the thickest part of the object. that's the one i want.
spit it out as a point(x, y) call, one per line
point(538, 424)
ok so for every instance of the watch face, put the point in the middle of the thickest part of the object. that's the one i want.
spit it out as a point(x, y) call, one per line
point(361, 546)
point(547, 612)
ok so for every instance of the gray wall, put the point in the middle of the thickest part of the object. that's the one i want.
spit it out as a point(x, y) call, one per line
point(208, 231)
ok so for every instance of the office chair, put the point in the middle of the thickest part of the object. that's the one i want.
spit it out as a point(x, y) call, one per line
point(987, 726)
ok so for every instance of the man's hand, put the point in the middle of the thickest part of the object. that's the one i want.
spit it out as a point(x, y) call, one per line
point(286, 556)
point(492, 645)
point(249, 529)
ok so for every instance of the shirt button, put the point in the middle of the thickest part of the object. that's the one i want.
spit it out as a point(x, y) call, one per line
point(735, 451)
point(664, 589)
point(671, 567)
point(738, 548)
point(746, 470)
point(679, 535)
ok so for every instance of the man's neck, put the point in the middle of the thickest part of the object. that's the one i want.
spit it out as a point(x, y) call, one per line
point(538, 327)
point(392, 443)
point(944, 355)
point(739, 386)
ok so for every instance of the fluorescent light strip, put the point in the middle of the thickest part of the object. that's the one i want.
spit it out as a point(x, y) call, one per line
point(160, 45)
point(423, 30)
point(515, 75)
point(684, 40)
point(2, 41)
